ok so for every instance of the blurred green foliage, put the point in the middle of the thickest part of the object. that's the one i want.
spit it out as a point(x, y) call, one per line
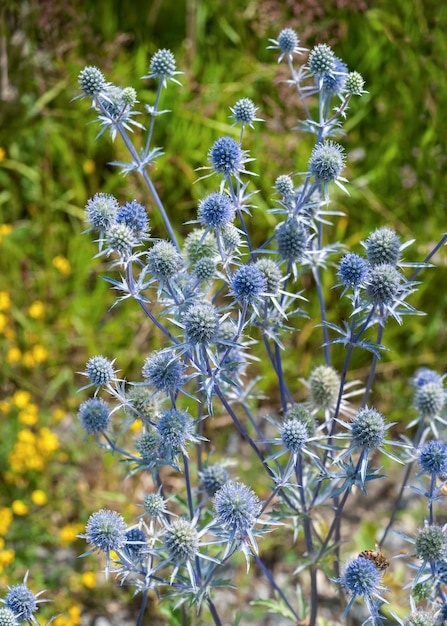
point(50, 163)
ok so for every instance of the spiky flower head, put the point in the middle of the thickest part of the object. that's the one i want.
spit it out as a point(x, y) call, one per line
point(429, 399)
point(231, 237)
point(129, 97)
point(227, 157)
point(433, 458)
point(284, 186)
point(22, 602)
point(7, 617)
point(292, 240)
point(147, 446)
point(142, 400)
point(368, 428)
point(181, 541)
point(101, 211)
point(216, 210)
point(106, 531)
point(248, 283)
point(163, 260)
point(301, 413)
point(354, 84)
point(334, 82)
point(100, 370)
point(244, 112)
point(134, 215)
point(294, 434)
point(324, 385)
point(136, 543)
point(424, 375)
point(163, 371)
point(321, 60)
point(205, 269)
point(201, 323)
point(353, 270)
point(237, 508)
point(327, 161)
point(383, 285)
point(198, 245)
point(94, 415)
point(120, 238)
point(421, 618)
point(162, 65)
point(154, 504)
point(214, 477)
point(272, 274)
point(175, 428)
point(431, 543)
point(361, 578)
point(288, 40)
point(383, 246)
point(91, 81)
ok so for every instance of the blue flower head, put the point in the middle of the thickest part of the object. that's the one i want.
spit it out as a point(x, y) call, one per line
point(106, 531)
point(424, 375)
point(136, 543)
point(292, 240)
point(433, 458)
point(22, 602)
point(100, 370)
point(327, 161)
point(294, 434)
point(213, 478)
point(101, 211)
point(287, 43)
point(164, 261)
point(429, 399)
point(431, 543)
point(368, 428)
point(244, 112)
point(334, 82)
point(163, 371)
point(181, 541)
point(135, 217)
point(362, 579)
point(162, 66)
point(248, 283)
point(237, 508)
point(175, 429)
point(201, 323)
point(91, 81)
point(94, 415)
point(383, 246)
point(322, 61)
point(353, 270)
point(284, 186)
point(216, 211)
point(384, 285)
point(227, 157)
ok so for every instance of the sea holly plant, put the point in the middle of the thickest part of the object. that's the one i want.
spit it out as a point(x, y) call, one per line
point(225, 308)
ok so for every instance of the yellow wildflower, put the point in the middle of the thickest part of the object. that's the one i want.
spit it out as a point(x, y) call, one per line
point(5, 519)
point(69, 533)
point(28, 359)
point(19, 507)
point(36, 310)
point(40, 353)
point(88, 579)
point(88, 166)
point(6, 557)
point(5, 301)
point(21, 398)
point(13, 355)
point(39, 497)
point(62, 264)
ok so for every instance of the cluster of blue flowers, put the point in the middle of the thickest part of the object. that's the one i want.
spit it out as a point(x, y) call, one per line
point(208, 298)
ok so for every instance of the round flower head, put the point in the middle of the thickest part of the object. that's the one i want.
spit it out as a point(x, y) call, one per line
point(120, 239)
point(287, 43)
point(162, 66)
point(227, 157)
point(334, 82)
point(324, 385)
point(368, 428)
point(361, 579)
point(431, 543)
point(322, 60)
point(383, 246)
point(163, 260)
point(244, 112)
point(292, 240)
point(100, 370)
point(129, 97)
point(237, 508)
point(429, 399)
point(141, 399)
point(205, 269)
point(136, 542)
point(91, 81)
point(94, 415)
point(181, 541)
point(327, 161)
point(201, 323)
point(154, 505)
point(383, 285)
point(106, 531)
point(135, 217)
point(147, 446)
point(7, 617)
point(22, 602)
point(175, 428)
point(433, 458)
point(248, 283)
point(284, 186)
point(301, 413)
point(354, 84)
point(101, 211)
point(424, 375)
point(231, 237)
point(214, 477)
point(216, 211)
point(163, 371)
point(112, 102)
point(421, 618)
point(352, 270)
point(198, 245)
point(272, 274)
point(294, 434)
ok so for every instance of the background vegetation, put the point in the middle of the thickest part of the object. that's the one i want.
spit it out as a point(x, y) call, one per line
point(54, 309)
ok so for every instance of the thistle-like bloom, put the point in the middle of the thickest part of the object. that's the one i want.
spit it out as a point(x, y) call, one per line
point(237, 508)
point(429, 399)
point(199, 245)
point(433, 458)
point(100, 370)
point(105, 532)
point(7, 617)
point(201, 323)
point(353, 270)
point(287, 43)
point(244, 112)
point(216, 211)
point(284, 186)
point(362, 579)
point(175, 429)
point(154, 505)
point(163, 371)
point(424, 375)
point(120, 238)
point(292, 240)
point(134, 215)
point(205, 269)
point(147, 446)
point(431, 543)
point(164, 261)
point(248, 283)
point(300, 412)
point(334, 82)
point(383, 246)
point(136, 544)
point(420, 617)
point(101, 211)
point(213, 478)
point(227, 157)
point(94, 415)
point(354, 84)
point(324, 386)
point(162, 66)
point(327, 161)
point(231, 237)
point(92, 81)
point(272, 274)
point(22, 602)
point(384, 285)
point(322, 61)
